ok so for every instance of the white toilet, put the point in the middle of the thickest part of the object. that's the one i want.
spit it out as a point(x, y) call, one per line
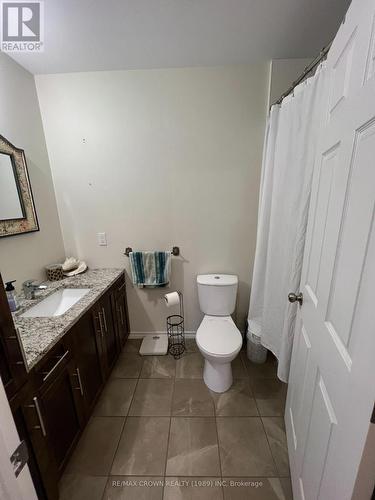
point(218, 338)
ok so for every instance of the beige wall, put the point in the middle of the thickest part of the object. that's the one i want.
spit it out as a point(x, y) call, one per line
point(157, 158)
point(283, 73)
point(24, 256)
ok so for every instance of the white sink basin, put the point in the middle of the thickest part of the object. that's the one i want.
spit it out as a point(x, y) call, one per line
point(56, 304)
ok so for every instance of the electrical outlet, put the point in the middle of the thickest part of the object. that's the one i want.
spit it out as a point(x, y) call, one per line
point(102, 239)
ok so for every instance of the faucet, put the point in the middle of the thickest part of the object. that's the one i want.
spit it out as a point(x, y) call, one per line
point(29, 288)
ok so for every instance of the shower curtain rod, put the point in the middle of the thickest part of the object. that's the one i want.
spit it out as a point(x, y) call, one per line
point(322, 55)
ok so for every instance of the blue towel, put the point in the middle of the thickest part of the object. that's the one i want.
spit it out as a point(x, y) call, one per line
point(150, 269)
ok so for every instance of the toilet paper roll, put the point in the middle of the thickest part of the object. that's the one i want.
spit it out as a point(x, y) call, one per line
point(172, 299)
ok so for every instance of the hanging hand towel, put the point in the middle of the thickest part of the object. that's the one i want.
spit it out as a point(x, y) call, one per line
point(150, 269)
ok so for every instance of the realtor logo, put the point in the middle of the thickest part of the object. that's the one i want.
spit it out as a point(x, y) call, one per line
point(22, 26)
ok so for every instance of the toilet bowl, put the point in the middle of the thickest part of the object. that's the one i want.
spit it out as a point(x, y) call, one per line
point(219, 342)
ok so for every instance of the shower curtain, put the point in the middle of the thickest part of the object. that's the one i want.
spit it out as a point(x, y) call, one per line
point(288, 158)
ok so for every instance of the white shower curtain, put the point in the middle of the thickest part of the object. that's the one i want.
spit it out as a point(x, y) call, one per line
point(288, 160)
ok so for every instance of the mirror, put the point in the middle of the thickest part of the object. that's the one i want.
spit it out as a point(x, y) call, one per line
point(17, 210)
point(10, 197)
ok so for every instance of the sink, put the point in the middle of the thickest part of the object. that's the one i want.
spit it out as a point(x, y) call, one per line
point(56, 304)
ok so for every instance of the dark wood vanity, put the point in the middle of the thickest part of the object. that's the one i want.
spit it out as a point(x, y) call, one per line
point(53, 401)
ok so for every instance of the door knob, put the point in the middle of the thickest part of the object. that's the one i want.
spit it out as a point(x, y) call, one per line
point(293, 297)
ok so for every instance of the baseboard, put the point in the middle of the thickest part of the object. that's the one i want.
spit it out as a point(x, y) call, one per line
point(141, 335)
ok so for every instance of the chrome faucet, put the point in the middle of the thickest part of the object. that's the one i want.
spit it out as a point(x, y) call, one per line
point(29, 288)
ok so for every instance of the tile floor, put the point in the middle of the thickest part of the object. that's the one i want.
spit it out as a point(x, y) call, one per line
point(158, 433)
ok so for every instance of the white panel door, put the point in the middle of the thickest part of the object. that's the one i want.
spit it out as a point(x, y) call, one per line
point(332, 381)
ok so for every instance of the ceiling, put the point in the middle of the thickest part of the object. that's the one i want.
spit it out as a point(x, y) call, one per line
point(90, 35)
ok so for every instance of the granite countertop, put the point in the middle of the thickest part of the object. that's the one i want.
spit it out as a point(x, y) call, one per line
point(38, 335)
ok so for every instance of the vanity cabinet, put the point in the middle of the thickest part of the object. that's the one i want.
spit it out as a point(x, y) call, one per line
point(52, 403)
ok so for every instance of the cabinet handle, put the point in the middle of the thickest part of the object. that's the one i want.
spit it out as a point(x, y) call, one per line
point(122, 315)
point(79, 381)
point(40, 417)
point(105, 320)
point(55, 366)
point(121, 287)
point(100, 323)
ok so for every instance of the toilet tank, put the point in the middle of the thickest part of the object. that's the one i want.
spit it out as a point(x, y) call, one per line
point(217, 293)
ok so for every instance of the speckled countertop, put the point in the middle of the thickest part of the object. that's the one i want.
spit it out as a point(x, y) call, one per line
point(39, 335)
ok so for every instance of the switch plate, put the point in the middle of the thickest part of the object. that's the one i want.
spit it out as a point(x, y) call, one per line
point(102, 239)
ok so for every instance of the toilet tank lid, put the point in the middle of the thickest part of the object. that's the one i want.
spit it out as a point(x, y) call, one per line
point(217, 279)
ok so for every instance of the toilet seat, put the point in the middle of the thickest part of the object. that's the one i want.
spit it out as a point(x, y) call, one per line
point(218, 336)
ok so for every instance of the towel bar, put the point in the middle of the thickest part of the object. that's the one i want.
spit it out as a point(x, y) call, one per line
point(175, 251)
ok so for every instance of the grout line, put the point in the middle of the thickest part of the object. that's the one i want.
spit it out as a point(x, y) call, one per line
point(269, 446)
point(125, 419)
point(169, 430)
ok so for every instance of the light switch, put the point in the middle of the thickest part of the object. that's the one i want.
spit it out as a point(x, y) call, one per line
point(102, 239)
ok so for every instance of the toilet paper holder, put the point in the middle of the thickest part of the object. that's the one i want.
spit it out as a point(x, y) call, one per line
point(176, 330)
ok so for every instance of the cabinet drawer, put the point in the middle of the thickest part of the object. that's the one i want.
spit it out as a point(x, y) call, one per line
point(52, 364)
point(119, 286)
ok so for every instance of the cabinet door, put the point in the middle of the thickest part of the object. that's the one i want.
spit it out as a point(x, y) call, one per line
point(59, 410)
point(122, 317)
point(12, 367)
point(109, 334)
point(120, 311)
point(44, 469)
point(87, 355)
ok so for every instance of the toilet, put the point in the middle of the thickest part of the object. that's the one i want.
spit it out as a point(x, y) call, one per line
point(218, 338)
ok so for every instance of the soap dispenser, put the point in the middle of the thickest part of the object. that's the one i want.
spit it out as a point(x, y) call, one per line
point(11, 295)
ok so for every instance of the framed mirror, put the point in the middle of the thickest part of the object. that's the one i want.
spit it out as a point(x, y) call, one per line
point(17, 210)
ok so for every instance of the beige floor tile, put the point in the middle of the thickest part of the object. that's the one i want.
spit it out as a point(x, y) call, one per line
point(134, 488)
point(238, 368)
point(116, 398)
point(143, 447)
point(192, 398)
point(152, 397)
point(191, 345)
point(193, 448)
point(275, 430)
point(190, 365)
point(264, 370)
point(244, 450)
point(80, 487)
point(268, 369)
point(237, 401)
point(158, 367)
point(287, 487)
point(254, 489)
point(129, 365)
point(270, 396)
point(97, 447)
point(132, 345)
point(193, 488)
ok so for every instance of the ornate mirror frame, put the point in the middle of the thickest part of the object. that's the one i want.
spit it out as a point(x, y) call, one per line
point(29, 222)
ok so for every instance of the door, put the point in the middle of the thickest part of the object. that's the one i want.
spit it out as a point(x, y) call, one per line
point(87, 355)
point(122, 318)
point(59, 410)
point(331, 390)
point(108, 331)
point(11, 487)
point(120, 311)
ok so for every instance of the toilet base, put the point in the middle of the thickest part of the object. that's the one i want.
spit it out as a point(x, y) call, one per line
point(217, 376)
